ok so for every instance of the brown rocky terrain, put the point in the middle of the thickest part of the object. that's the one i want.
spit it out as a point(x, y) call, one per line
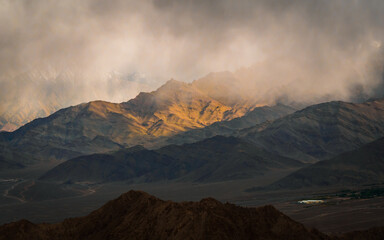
point(375, 233)
point(137, 215)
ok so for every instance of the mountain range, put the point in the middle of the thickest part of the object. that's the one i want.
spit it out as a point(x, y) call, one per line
point(99, 126)
point(149, 120)
point(314, 133)
point(97, 137)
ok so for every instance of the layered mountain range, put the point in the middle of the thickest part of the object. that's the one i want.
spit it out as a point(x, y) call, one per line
point(165, 116)
point(137, 215)
point(99, 126)
point(97, 137)
point(364, 165)
point(311, 134)
point(321, 131)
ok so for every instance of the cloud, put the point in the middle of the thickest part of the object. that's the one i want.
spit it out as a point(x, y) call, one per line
point(307, 50)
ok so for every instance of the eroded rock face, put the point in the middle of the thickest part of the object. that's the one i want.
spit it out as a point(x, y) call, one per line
point(137, 215)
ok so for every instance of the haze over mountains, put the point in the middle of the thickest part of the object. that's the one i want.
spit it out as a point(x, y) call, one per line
point(38, 94)
point(53, 90)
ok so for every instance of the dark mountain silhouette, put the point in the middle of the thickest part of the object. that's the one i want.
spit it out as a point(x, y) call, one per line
point(215, 159)
point(137, 215)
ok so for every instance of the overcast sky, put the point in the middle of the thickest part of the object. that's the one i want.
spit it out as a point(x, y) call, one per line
point(332, 45)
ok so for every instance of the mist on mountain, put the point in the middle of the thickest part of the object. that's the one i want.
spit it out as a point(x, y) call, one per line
point(301, 52)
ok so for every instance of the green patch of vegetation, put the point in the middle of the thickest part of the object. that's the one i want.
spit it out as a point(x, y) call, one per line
point(362, 194)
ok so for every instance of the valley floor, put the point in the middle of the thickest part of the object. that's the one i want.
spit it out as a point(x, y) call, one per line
point(334, 216)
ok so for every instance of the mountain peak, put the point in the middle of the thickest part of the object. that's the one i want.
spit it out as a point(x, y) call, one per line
point(173, 86)
point(173, 81)
point(134, 195)
point(210, 202)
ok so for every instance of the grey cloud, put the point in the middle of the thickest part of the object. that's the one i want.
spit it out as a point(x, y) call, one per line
point(304, 49)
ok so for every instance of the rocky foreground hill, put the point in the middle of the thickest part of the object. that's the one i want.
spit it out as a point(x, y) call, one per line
point(137, 215)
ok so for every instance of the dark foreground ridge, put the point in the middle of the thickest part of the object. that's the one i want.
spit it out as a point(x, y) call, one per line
point(138, 215)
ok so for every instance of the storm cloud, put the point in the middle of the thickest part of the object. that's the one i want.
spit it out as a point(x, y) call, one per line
point(301, 50)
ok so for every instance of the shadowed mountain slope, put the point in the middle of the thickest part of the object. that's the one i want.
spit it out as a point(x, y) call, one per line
point(226, 158)
point(137, 215)
point(321, 131)
point(215, 159)
point(121, 165)
point(362, 166)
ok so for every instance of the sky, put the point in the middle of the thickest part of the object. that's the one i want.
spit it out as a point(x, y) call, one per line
point(307, 50)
